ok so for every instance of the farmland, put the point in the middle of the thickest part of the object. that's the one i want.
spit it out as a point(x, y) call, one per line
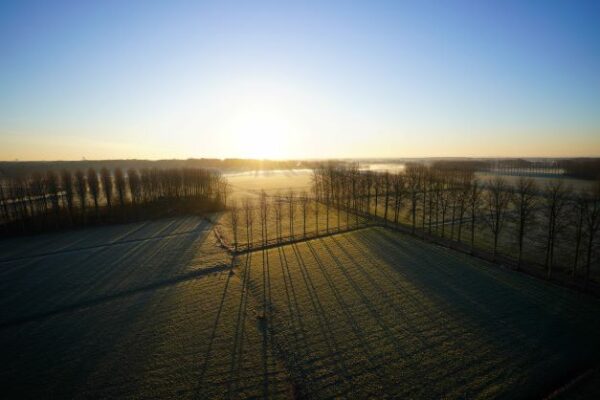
point(157, 309)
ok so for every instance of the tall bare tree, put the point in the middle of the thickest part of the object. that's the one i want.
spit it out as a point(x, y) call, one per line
point(67, 186)
point(497, 198)
point(120, 185)
point(474, 204)
point(81, 185)
point(524, 202)
point(249, 214)
point(413, 176)
point(234, 214)
point(94, 185)
point(107, 185)
point(264, 215)
point(555, 201)
point(304, 202)
point(291, 211)
point(592, 224)
point(135, 186)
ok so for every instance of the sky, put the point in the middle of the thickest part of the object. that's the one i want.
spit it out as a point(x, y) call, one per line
point(178, 79)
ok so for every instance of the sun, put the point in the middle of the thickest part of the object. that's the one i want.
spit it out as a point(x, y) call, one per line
point(261, 132)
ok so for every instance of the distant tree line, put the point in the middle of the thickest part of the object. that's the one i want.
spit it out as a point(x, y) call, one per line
point(448, 202)
point(49, 200)
point(15, 168)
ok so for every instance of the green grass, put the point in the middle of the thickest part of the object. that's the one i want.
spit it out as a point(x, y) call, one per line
point(373, 312)
point(155, 310)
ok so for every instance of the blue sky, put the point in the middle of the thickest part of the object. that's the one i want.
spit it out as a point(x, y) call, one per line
point(278, 80)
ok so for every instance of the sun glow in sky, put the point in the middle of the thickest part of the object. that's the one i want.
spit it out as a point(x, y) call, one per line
point(309, 80)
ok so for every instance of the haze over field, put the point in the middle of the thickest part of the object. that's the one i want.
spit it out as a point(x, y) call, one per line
point(106, 80)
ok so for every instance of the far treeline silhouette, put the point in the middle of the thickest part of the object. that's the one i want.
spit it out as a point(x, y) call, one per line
point(20, 168)
point(52, 199)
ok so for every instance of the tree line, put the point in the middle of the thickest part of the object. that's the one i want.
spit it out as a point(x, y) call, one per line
point(42, 201)
point(453, 205)
point(279, 218)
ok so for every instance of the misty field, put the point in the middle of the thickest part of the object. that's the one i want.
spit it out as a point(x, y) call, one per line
point(157, 309)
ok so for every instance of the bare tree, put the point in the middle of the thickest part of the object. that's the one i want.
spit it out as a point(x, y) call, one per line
point(316, 203)
point(524, 202)
point(463, 201)
point(67, 186)
point(474, 204)
point(94, 185)
point(413, 176)
point(234, 224)
point(555, 201)
point(577, 214)
point(81, 185)
point(386, 201)
point(249, 214)
point(592, 224)
point(264, 214)
point(304, 200)
point(54, 192)
point(120, 186)
point(291, 210)
point(444, 199)
point(278, 216)
point(107, 185)
point(135, 186)
point(399, 195)
point(497, 199)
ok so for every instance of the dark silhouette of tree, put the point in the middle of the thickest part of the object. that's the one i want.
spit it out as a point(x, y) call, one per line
point(414, 174)
point(264, 214)
point(54, 193)
point(555, 201)
point(120, 186)
point(304, 200)
point(291, 211)
point(107, 185)
point(474, 204)
point(67, 186)
point(135, 186)
point(399, 195)
point(464, 194)
point(94, 185)
point(592, 224)
point(497, 198)
point(524, 202)
point(278, 216)
point(81, 185)
point(234, 223)
point(386, 195)
point(249, 217)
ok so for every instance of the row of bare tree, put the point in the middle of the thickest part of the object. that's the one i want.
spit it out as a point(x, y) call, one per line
point(281, 218)
point(446, 202)
point(42, 201)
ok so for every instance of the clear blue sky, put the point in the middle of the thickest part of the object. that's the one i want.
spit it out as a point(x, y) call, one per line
point(325, 79)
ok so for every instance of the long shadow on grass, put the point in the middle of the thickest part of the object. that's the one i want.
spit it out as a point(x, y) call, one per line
point(107, 298)
point(544, 342)
point(97, 278)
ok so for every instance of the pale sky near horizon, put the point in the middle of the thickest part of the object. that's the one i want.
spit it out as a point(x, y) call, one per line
point(321, 79)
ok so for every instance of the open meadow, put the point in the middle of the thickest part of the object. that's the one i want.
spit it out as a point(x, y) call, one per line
point(158, 309)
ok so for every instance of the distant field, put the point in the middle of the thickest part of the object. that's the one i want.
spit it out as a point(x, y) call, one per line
point(155, 310)
point(249, 184)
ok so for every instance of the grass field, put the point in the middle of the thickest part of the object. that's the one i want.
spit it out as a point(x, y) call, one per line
point(156, 310)
point(374, 312)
